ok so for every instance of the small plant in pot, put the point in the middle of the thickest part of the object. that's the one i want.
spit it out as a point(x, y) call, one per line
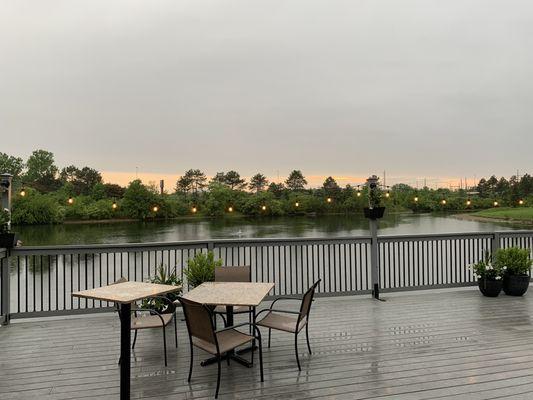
point(516, 265)
point(163, 277)
point(8, 239)
point(201, 268)
point(489, 277)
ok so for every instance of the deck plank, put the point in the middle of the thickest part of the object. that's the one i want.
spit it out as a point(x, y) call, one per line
point(445, 344)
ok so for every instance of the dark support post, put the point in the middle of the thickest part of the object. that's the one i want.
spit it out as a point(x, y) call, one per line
point(495, 245)
point(125, 352)
point(4, 301)
point(374, 257)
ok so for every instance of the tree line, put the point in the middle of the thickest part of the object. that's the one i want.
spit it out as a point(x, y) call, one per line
point(45, 193)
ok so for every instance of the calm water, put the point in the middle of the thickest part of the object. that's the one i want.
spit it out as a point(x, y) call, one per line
point(324, 226)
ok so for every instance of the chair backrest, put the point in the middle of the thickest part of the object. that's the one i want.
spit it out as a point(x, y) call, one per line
point(199, 320)
point(233, 274)
point(307, 300)
point(121, 280)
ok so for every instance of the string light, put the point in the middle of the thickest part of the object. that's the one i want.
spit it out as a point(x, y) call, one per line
point(521, 202)
point(387, 195)
point(263, 208)
point(70, 200)
point(495, 204)
point(296, 204)
point(194, 209)
point(114, 205)
point(230, 209)
point(329, 199)
point(468, 202)
point(22, 192)
point(358, 193)
point(416, 199)
point(155, 209)
point(443, 202)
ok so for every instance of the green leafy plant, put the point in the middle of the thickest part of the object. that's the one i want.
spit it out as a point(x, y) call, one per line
point(201, 268)
point(163, 277)
point(4, 220)
point(374, 197)
point(513, 260)
point(485, 269)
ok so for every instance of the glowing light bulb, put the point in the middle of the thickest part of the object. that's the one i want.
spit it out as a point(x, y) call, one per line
point(358, 193)
point(23, 193)
point(329, 199)
point(296, 204)
point(468, 202)
point(230, 209)
point(521, 202)
point(70, 200)
point(114, 205)
point(155, 209)
point(443, 202)
point(264, 208)
point(387, 194)
point(416, 199)
point(495, 204)
point(194, 210)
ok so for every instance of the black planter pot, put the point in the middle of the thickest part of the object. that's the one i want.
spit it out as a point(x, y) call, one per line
point(374, 213)
point(8, 240)
point(490, 287)
point(515, 285)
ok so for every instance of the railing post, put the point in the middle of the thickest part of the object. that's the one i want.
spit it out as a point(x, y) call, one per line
point(4, 270)
point(495, 245)
point(210, 246)
point(374, 262)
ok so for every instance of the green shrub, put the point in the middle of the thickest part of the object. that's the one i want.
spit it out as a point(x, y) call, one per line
point(35, 208)
point(486, 269)
point(163, 277)
point(201, 268)
point(514, 260)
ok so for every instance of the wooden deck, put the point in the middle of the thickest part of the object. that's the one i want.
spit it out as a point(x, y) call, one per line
point(451, 344)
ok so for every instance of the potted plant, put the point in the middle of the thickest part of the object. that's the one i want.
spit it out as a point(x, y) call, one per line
point(374, 209)
point(163, 277)
point(489, 277)
point(201, 268)
point(8, 239)
point(516, 265)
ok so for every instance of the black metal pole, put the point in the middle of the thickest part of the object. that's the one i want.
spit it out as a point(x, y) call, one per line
point(125, 352)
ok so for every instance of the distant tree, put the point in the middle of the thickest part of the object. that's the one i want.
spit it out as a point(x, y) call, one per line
point(296, 180)
point(258, 182)
point(234, 181)
point(87, 178)
point(491, 184)
point(483, 188)
point(68, 174)
point(138, 200)
point(220, 177)
point(192, 181)
point(11, 165)
point(502, 186)
point(183, 184)
point(276, 189)
point(113, 190)
point(41, 171)
point(330, 186)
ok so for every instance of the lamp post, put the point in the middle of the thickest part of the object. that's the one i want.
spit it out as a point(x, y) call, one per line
point(373, 213)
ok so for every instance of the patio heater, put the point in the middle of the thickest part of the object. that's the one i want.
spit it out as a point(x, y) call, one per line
point(374, 212)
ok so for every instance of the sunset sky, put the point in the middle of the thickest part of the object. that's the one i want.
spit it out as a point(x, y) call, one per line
point(420, 88)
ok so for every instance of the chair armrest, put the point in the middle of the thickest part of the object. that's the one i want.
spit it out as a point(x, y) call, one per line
point(286, 298)
point(276, 310)
point(152, 312)
point(254, 326)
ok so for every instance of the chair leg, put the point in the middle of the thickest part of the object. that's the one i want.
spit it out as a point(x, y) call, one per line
point(269, 334)
point(165, 344)
point(261, 360)
point(176, 331)
point(218, 377)
point(190, 366)
point(307, 337)
point(296, 350)
point(134, 339)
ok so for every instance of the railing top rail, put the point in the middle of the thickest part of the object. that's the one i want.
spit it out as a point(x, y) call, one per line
point(434, 236)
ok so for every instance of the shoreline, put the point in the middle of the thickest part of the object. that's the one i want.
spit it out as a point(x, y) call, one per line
point(479, 218)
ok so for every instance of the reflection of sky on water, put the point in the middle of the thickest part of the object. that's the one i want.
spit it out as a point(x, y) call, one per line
point(324, 226)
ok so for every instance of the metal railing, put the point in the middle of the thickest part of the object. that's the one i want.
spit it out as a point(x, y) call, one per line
point(41, 279)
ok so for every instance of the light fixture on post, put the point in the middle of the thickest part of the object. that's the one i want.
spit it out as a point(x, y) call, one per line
point(230, 209)
point(329, 199)
point(263, 207)
point(387, 194)
point(415, 199)
point(194, 209)
point(495, 204)
point(521, 202)
point(468, 202)
point(22, 192)
point(70, 201)
point(155, 209)
point(296, 204)
point(114, 205)
point(443, 202)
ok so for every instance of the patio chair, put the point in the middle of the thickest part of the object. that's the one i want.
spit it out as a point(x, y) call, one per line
point(153, 320)
point(221, 342)
point(234, 274)
point(294, 322)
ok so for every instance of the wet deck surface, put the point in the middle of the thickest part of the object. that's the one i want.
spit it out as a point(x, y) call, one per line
point(452, 344)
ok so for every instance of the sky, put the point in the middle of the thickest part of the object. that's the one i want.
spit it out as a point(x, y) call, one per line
point(431, 89)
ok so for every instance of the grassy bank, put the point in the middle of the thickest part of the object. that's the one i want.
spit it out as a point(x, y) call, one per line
point(518, 214)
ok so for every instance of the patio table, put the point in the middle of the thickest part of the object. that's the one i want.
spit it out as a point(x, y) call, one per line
point(125, 294)
point(230, 294)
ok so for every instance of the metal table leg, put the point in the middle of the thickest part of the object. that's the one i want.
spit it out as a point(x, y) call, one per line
point(125, 350)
